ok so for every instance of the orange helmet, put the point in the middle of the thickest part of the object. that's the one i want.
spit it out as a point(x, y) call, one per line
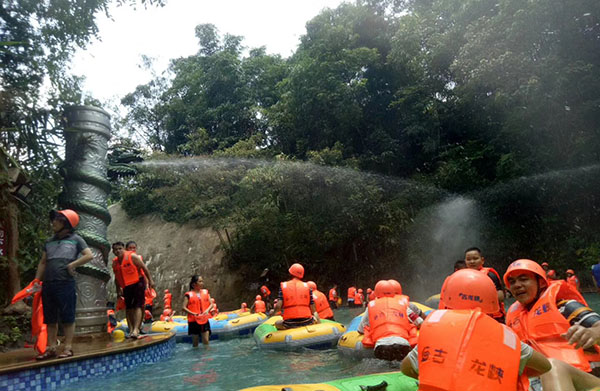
point(258, 297)
point(369, 290)
point(166, 291)
point(297, 270)
point(383, 288)
point(312, 285)
point(360, 290)
point(244, 305)
point(71, 216)
point(525, 265)
point(469, 289)
point(397, 287)
point(545, 264)
point(570, 271)
point(166, 312)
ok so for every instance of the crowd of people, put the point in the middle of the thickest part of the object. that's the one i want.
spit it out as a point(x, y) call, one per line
point(471, 339)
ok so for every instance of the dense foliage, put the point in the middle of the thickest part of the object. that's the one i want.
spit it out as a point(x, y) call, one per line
point(465, 96)
point(496, 101)
point(37, 41)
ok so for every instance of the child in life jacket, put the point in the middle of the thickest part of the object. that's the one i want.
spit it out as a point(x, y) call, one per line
point(475, 260)
point(390, 322)
point(462, 348)
point(555, 320)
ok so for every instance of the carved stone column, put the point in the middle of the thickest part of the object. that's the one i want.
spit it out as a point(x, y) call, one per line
point(86, 189)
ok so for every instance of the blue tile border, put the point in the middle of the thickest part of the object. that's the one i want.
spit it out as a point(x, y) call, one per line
point(53, 376)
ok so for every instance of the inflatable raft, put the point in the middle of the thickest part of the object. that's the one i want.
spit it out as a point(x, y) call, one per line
point(220, 329)
point(323, 335)
point(350, 343)
point(391, 381)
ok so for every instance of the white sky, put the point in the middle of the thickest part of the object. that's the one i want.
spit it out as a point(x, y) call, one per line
point(111, 65)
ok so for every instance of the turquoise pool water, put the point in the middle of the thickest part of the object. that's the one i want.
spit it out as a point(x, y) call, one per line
point(238, 363)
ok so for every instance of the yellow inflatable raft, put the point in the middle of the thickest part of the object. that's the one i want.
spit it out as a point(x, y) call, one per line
point(316, 336)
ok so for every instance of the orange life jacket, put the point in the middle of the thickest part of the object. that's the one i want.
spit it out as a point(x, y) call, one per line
point(466, 350)
point(542, 326)
point(358, 298)
point(351, 293)
point(332, 295)
point(198, 302)
point(388, 318)
point(126, 273)
point(38, 327)
point(264, 291)
point(149, 296)
point(112, 321)
point(168, 299)
point(296, 299)
point(260, 306)
point(502, 312)
point(574, 281)
point(322, 305)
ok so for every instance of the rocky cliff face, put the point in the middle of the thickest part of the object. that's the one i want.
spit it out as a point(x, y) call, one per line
point(173, 253)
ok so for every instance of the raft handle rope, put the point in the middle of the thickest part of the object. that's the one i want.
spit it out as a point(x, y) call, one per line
point(377, 387)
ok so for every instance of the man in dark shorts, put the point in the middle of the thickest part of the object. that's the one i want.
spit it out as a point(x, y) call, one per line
point(130, 283)
point(56, 269)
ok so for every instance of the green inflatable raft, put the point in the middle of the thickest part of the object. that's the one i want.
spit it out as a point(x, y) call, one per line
point(391, 381)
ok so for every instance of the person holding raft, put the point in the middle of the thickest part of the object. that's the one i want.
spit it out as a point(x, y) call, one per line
point(462, 348)
point(555, 320)
point(296, 299)
point(390, 322)
point(197, 303)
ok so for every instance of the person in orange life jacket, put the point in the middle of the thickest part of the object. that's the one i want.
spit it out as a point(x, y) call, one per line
point(149, 293)
point(129, 281)
point(265, 293)
point(462, 348)
point(244, 307)
point(554, 319)
point(168, 299)
point(572, 279)
point(321, 302)
point(258, 305)
point(296, 300)
point(215, 309)
point(546, 267)
point(390, 323)
point(62, 253)
point(475, 260)
point(197, 303)
point(359, 298)
point(167, 315)
point(370, 294)
point(333, 297)
point(351, 295)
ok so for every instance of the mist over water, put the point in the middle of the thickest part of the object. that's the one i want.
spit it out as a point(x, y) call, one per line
point(440, 235)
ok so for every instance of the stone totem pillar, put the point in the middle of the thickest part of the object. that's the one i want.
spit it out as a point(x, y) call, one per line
point(86, 189)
